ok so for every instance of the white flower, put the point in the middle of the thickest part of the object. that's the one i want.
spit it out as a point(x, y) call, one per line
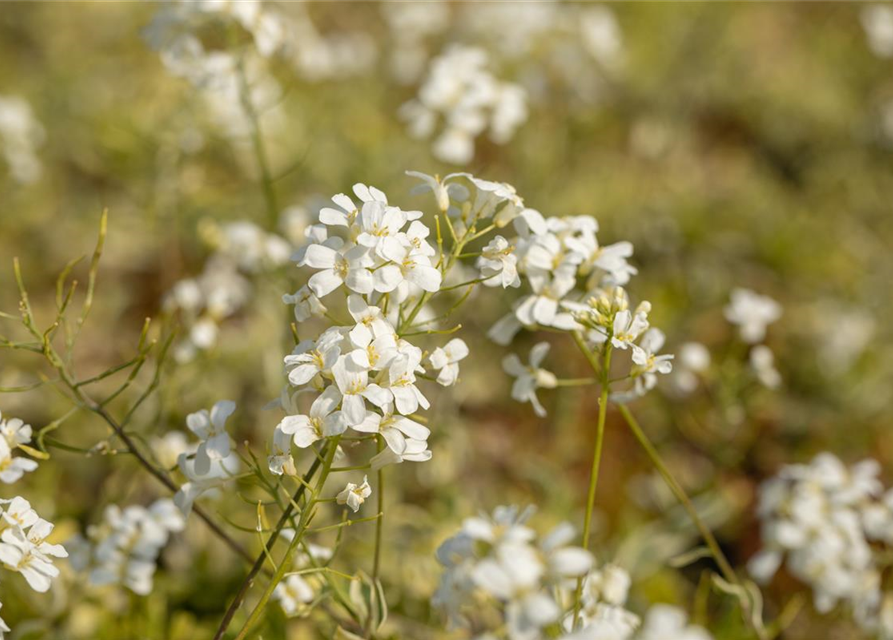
point(280, 459)
point(167, 448)
point(530, 377)
point(628, 326)
point(124, 547)
point(348, 266)
point(292, 593)
point(23, 545)
point(371, 323)
point(752, 313)
point(18, 513)
point(443, 190)
point(199, 484)
point(460, 90)
point(211, 430)
point(19, 554)
point(15, 431)
point(20, 136)
point(306, 304)
point(447, 359)
point(354, 385)
point(415, 451)
point(322, 422)
point(822, 518)
point(13, 468)
point(398, 431)
point(406, 264)
point(401, 384)
point(664, 622)
point(498, 259)
point(378, 221)
point(693, 360)
point(354, 495)
point(310, 358)
point(762, 361)
point(541, 307)
point(877, 20)
point(648, 362)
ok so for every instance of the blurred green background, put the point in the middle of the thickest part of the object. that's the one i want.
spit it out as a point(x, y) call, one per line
point(735, 145)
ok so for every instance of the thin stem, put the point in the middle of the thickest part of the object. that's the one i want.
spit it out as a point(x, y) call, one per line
point(260, 150)
point(299, 534)
point(376, 562)
point(724, 566)
point(596, 453)
point(268, 547)
point(576, 382)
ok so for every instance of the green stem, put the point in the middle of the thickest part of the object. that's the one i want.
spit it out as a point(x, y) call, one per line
point(260, 150)
point(376, 562)
point(284, 565)
point(724, 566)
point(268, 547)
point(596, 453)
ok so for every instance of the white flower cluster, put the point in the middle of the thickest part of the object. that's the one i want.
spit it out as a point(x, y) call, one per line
point(364, 372)
point(219, 72)
point(23, 544)
point(498, 562)
point(20, 135)
point(832, 524)
point(565, 38)
point(288, 33)
point(222, 289)
point(574, 284)
point(212, 463)
point(124, 548)
point(603, 611)
point(753, 313)
point(461, 90)
point(14, 434)
point(503, 560)
point(23, 534)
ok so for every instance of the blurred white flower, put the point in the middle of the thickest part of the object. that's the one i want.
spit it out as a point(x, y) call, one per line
point(762, 362)
point(877, 20)
point(210, 428)
point(752, 313)
point(530, 377)
point(20, 136)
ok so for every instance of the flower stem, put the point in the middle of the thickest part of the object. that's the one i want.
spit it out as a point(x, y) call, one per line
point(284, 565)
point(596, 453)
point(260, 149)
point(259, 562)
point(376, 562)
point(724, 566)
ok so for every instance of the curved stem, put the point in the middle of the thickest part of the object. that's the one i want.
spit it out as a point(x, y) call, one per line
point(725, 566)
point(284, 565)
